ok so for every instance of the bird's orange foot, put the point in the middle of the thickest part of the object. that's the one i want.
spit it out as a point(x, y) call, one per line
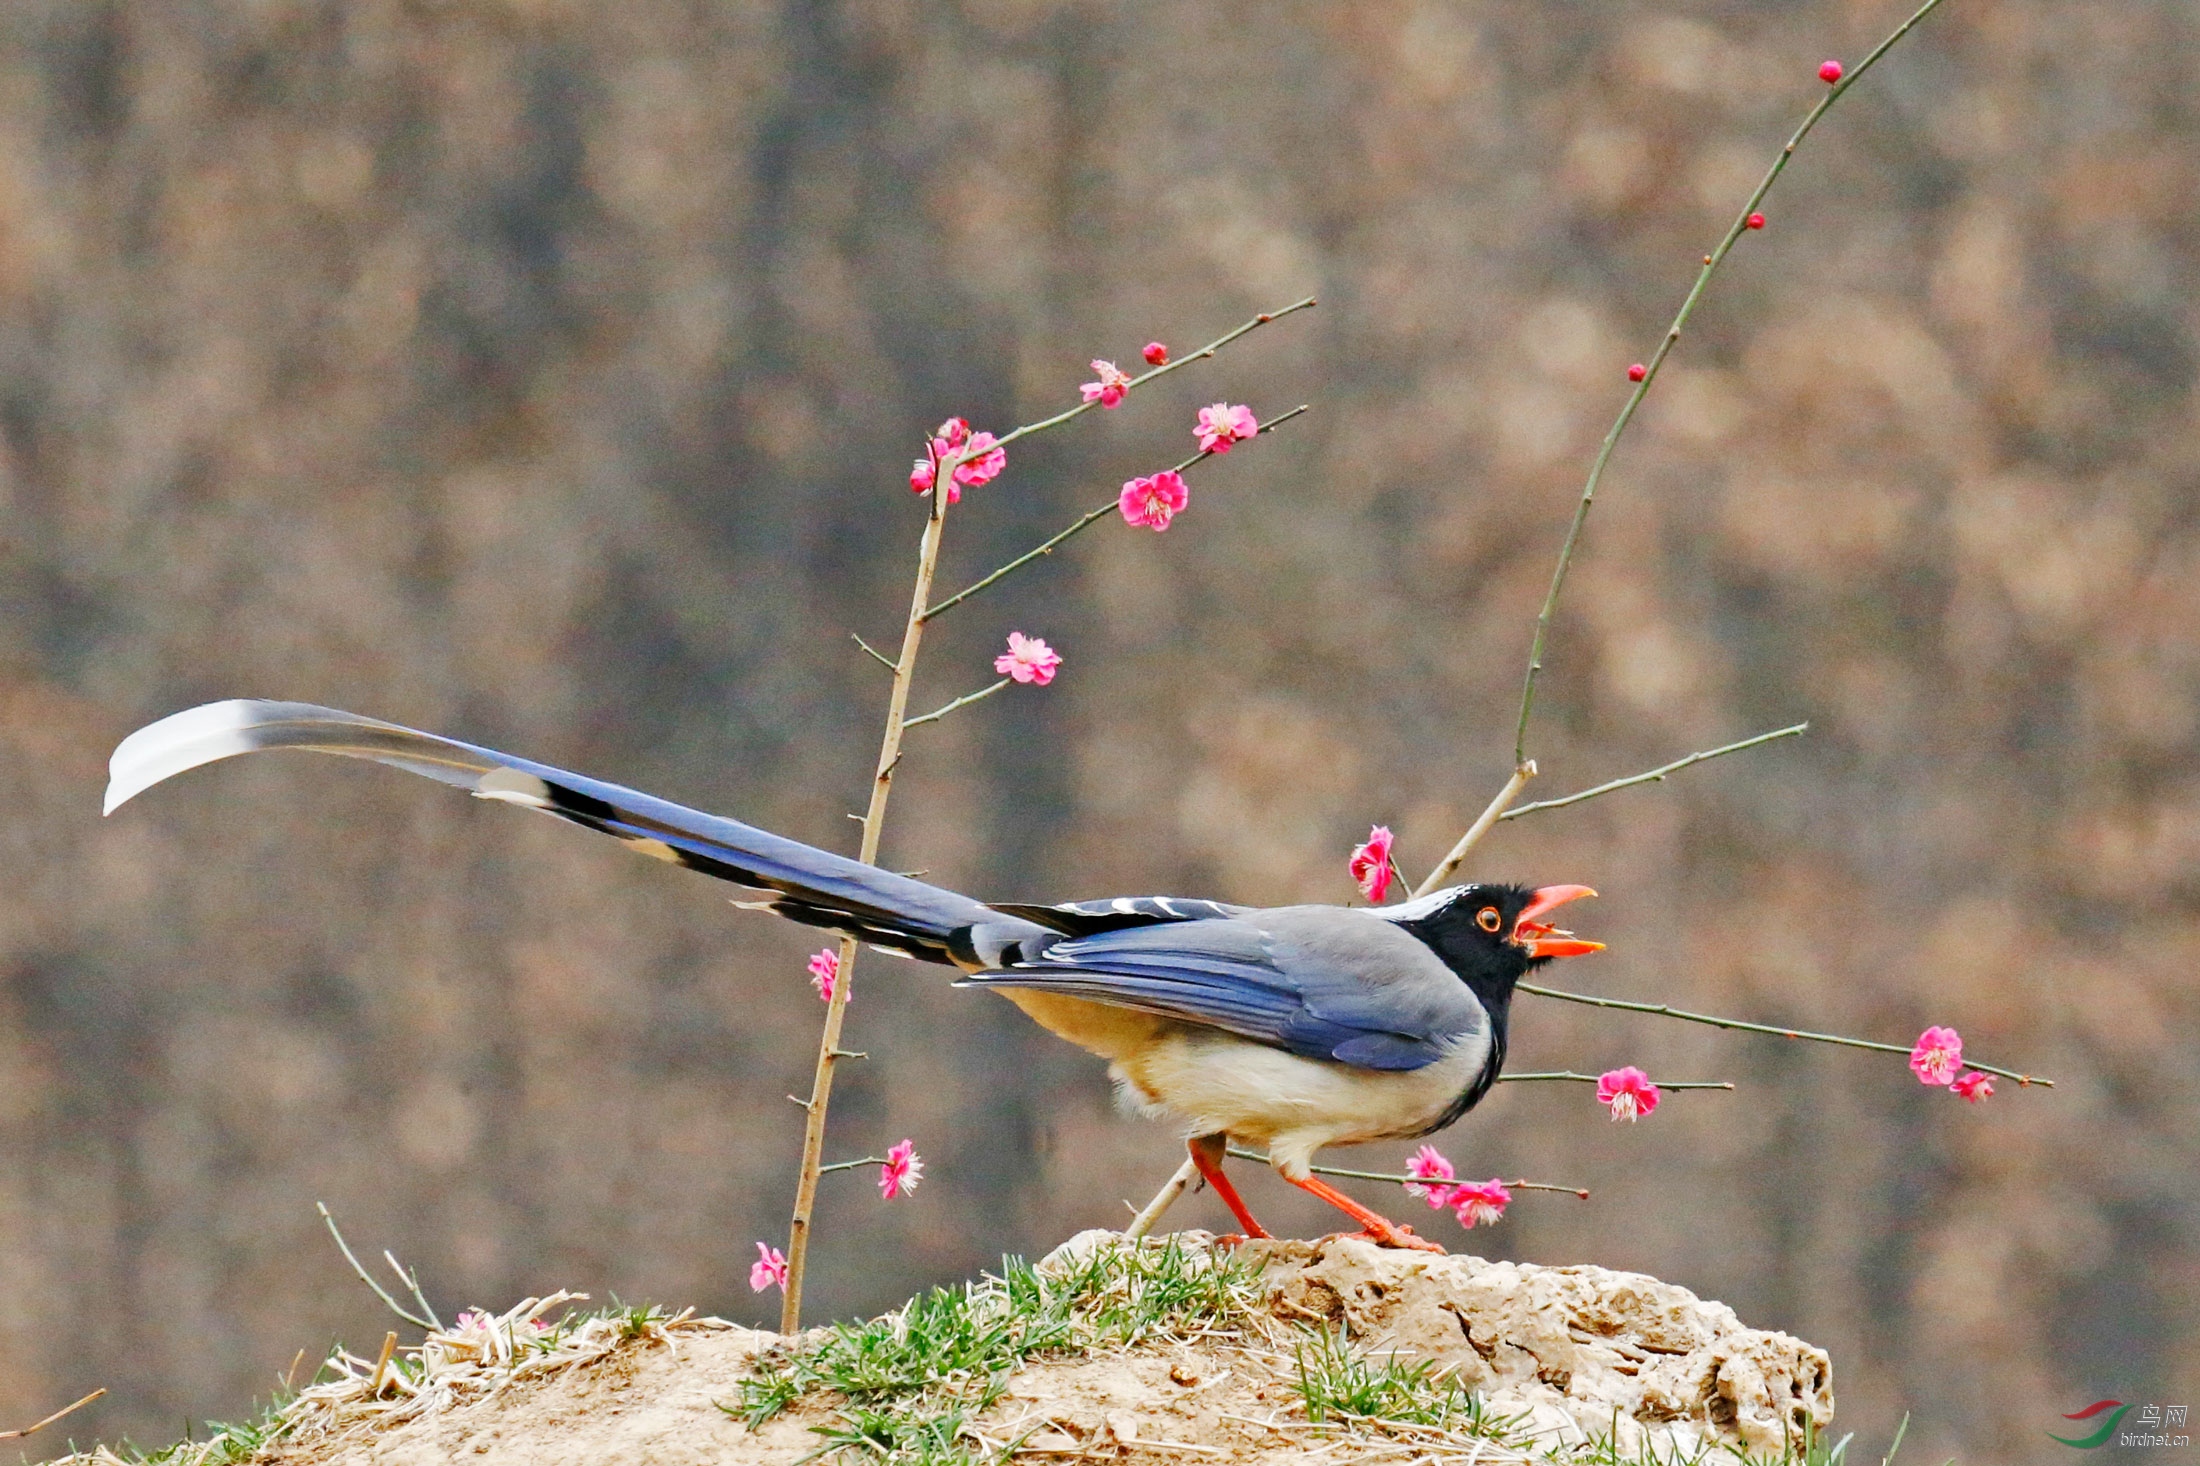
point(1397, 1234)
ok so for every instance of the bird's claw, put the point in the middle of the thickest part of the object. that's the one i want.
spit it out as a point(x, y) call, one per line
point(1399, 1235)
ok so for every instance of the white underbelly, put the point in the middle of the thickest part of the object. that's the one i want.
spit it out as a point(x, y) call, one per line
point(1216, 1082)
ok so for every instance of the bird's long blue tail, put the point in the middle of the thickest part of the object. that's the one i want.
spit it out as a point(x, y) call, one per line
point(807, 884)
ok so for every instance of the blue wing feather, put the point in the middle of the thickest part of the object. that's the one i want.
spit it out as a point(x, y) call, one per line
point(1226, 974)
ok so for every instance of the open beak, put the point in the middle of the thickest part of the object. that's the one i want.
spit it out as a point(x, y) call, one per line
point(1541, 938)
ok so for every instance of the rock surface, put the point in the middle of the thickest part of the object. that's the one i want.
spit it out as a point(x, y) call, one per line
point(1575, 1353)
point(1576, 1347)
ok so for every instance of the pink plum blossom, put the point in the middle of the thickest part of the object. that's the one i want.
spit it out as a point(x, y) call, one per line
point(1156, 354)
point(1975, 1086)
point(952, 439)
point(1937, 1057)
point(1371, 863)
point(1154, 501)
point(902, 1171)
point(1223, 425)
point(986, 462)
point(1429, 1164)
point(769, 1270)
point(1480, 1203)
point(1627, 1092)
point(1110, 389)
point(1028, 659)
point(825, 973)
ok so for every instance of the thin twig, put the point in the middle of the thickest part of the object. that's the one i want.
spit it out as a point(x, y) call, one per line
point(1160, 371)
point(869, 1160)
point(876, 655)
point(16, 1435)
point(1567, 1074)
point(961, 702)
point(1672, 335)
point(1162, 1200)
point(1084, 522)
point(430, 1322)
point(1656, 775)
point(411, 1280)
point(1521, 774)
point(874, 825)
point(1254, 1155)
point(1666, 1010)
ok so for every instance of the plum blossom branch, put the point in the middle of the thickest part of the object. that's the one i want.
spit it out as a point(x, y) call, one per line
point(789, 1270)
point(961, 702)
point(16, 1435)
point(1567, 1074)
point(876, 655)
point(1644, 375)
point(1405, 1180)
point(1081, 524)
point(869, 1160)
point(1656, 775)
point(1160, 370)
point(1666, 1010)
point(1521, 774)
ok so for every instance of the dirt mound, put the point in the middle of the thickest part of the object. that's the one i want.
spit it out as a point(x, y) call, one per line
point(1104, 1349)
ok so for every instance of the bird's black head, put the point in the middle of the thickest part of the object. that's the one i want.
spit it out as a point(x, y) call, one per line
point(1492, 936)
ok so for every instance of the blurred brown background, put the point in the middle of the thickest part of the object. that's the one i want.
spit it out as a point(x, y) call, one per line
point(546, 374)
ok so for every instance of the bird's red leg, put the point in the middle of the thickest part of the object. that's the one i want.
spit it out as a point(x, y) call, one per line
point(1381, 1228)
point(1207, 1155)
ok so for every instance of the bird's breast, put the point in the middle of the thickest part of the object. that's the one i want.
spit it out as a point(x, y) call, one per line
point(1220, 1082)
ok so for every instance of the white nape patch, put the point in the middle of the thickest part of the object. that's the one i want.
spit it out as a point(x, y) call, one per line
point(510, 786)
point(1419, 907)
point(178, 742)
point(1167, 905)
point(1128, 905)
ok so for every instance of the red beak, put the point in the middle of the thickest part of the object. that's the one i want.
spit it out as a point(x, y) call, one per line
point(1540, 937)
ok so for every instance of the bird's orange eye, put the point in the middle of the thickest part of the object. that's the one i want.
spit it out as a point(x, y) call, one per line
point(1488, 919)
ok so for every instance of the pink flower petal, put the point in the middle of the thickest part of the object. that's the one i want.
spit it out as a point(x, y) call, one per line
point(901, 1172)
point(1110, 389)
point(1480, 1203)
point(1975, 1087)
point(1370, 863)
point(1028, 659)
point(1154, 501)
point(769, 1270)
point(1222, 425)
point(1627, 1092)
point(1937, 1057)
point(985, 463)
point(825, 973)
point(1429, 1164)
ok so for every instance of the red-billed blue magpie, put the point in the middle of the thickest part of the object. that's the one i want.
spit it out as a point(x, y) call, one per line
point(1290, 1028)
